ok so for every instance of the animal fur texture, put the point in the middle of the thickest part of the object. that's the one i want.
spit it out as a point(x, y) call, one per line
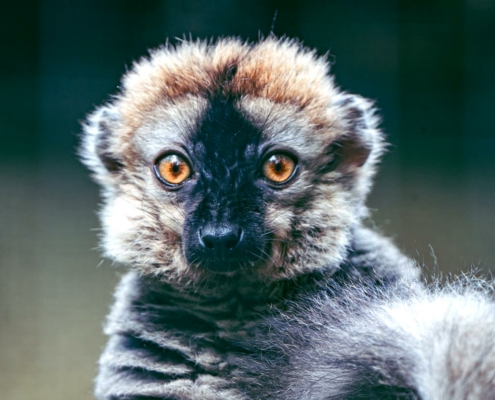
point(213, 255)
point(166, 343)
point(359, 340)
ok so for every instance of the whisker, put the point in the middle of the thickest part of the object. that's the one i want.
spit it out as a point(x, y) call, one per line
point(266, 258)
point(146, 191)
point(276, 216)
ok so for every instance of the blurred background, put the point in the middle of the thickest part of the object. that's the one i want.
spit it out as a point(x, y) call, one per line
point(428, 64)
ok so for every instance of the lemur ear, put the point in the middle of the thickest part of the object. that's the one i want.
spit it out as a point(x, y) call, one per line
point(97, 150)
point(361, 142)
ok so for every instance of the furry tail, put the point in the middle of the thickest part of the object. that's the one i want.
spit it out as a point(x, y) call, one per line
point(367, 342)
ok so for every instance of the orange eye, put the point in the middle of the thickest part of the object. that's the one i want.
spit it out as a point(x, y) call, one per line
point(173, 169)
point(279, 168)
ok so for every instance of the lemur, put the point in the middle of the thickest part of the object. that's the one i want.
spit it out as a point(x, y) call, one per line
point(234, 178)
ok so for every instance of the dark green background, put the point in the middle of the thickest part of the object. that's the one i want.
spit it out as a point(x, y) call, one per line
point(430, 66)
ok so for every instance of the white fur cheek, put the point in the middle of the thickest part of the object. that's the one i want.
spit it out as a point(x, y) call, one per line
point(120, 219)
point(278, 221)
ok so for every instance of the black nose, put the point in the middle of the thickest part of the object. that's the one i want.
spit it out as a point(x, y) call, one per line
point(220, 242)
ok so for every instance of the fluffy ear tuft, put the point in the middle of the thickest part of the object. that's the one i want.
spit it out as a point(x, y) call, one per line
point(362, 143)
point(97, 151)
point(356, 153)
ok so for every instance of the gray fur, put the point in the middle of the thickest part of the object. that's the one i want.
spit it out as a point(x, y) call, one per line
point(176, 344)
point(363, 341)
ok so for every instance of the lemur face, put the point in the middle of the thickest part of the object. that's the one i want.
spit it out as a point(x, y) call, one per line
point(232, 160)
point(223, 194)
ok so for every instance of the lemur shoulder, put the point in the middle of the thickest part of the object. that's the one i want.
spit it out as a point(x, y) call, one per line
point(234, 178)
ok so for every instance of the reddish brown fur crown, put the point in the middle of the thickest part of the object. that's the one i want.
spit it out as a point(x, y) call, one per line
point(280, 71)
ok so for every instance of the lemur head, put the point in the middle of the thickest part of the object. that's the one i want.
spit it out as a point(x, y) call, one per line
point(231, 159)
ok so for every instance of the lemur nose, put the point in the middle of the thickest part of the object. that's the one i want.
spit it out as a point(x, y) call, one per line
point(220, 241)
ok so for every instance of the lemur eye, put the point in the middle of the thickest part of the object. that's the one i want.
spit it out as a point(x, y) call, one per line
point(172, 169)
point(279, 168)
